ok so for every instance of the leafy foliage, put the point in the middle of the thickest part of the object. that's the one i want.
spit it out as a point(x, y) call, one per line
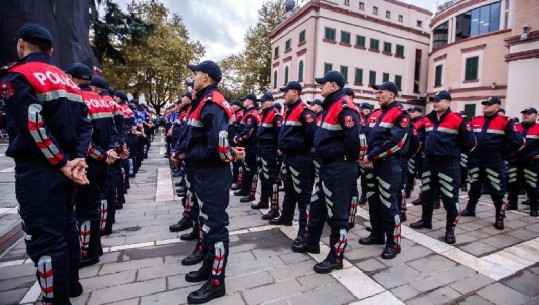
point(252, 67)
point(155, 67)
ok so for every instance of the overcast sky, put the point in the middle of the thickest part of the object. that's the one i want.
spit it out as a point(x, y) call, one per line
point(220, 25)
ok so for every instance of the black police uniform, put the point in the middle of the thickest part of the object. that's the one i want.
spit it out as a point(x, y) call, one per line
point(48, 126)
point(337, 144)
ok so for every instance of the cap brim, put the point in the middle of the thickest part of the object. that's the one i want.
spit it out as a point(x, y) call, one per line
point(193, 67)
point(283, 89)
point(320, 80)
point(435, 98)
point(526, 111)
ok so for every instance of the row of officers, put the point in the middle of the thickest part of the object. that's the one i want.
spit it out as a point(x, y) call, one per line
point(75, 142)
point(319, 149)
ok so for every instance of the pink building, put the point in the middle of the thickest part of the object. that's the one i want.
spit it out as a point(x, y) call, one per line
point(477, 51)
point(369, 41)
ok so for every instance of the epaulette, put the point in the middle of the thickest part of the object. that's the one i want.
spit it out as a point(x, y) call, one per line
point(344, 103)
point(209, 98)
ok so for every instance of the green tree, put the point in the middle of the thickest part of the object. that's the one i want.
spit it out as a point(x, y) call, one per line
point(156, 68)
point(113, 29)
point(256, 69)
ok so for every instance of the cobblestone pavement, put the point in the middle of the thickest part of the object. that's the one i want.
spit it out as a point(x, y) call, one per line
point(141, 264)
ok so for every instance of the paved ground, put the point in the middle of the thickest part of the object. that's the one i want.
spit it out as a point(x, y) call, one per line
point(141, 264)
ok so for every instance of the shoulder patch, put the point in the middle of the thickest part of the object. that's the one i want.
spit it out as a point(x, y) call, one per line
point(349, 121)
point(6, 90)
point(404, 122)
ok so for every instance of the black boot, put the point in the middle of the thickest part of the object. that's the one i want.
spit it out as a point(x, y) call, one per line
point(390, 252)
point(362, 200)
point(193, 235)
point(241, 193)
point(304, 247)
point(272, 214)
point(450, 238)
point(260, 205)
point(499, 223)
point(88, 261)
point(183, 224)
point(207, 292)
point(372, 240)
point(75, 289)
point(328, 265)
point(193, 259)
point(421, 225)
point(280, 222)
point(202, 274)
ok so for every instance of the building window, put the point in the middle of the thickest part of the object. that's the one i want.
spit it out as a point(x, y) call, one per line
point(286, 75)
point(375, 10)
point(358, 77)
point(438, 76)
point(387, 47)
point(419, 24)
point(300, 71)
point(287, 45)
point(472, 66)
point(440, 36)
point(478, 21)
point(362, 6)
point(347, 2)
point(469, 109)
point(360, 41)
point(330, 34)
point(276, 52)
point(345, 37)
point(344, 71)
point(375, 44)
point(401, 19)
point(372, 78)
point(400, 51)
point(274, 79)
point(398, 82)
point(328, 67)
point(388, 14)
point(385, 77)
point(302, 36)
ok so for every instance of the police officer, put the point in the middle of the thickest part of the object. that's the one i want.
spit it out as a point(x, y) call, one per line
point(49, 135)
point(366, 110)
point(267, 137)
point(337, 144)
point(497, 137)
point(100, 154)
point(129, 121)
point(100, 86)
point(448, 134)
point(524, 168)
point(316, 107)
point(296, 144)
point(236, 166)
point(246, 137)
point(387, 131)
point(414, 164)
point(210, 152)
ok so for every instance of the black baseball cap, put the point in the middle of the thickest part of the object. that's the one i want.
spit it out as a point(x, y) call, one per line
point(266, 97)
point(415, 109)
point(492, 100)
point(390, 86)
point(278, 106)
point(441, 95)
point(79, 70)
point(366, 106)
point(292, 86)
point(529, 110)
point(121, 95)
point(349, 91)
point(99, 82)
point(250, 96)
point(134, 101)
point(315, 102)
point(237, 103)
point(332, 76)
point(189, 83)
point(35, 34)
point(188, 94)
point(209, 67)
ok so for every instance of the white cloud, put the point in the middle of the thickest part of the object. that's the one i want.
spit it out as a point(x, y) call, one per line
point(220, 25)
